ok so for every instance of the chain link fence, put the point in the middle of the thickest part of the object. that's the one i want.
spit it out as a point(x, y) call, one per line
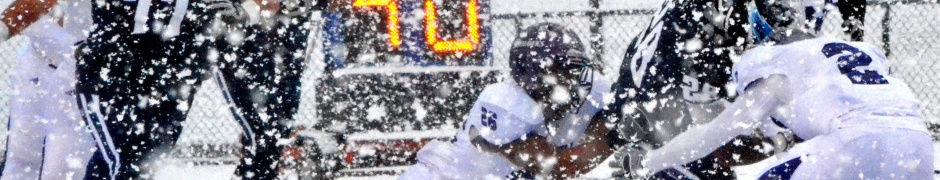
point(909, 32)
point(8, 53)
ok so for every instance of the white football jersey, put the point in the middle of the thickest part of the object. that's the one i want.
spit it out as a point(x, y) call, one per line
point(833, 84)
point(55, 34)
point(504, 113)
point(45, 118)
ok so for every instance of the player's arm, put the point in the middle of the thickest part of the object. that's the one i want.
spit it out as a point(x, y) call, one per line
point(756, 103)
point(750, 149)
point(535, 154)
point(584, 157)
point(530, 152)
point(21, 14)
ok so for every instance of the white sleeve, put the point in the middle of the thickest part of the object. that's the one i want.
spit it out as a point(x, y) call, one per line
point(503, 114)
point(741, 118)
point(755, 64)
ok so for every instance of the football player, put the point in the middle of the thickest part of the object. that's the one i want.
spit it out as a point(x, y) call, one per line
point(540, 124)
point(137, 73)
point(46, 137)
point(675, 74)
point(856, 120)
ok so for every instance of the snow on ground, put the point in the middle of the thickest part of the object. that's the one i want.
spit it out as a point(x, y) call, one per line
point(179, 170)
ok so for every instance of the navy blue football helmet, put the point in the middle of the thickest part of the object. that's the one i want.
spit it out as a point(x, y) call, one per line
point(545, 51)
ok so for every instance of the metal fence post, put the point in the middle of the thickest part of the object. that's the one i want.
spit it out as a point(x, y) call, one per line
point(886, 29)
point(596, 38)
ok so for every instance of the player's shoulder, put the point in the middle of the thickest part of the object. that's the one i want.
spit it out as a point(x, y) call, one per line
point(501, 88)
point(509, 98)
point(759, 50)
point(506, 93)
point(759, 62)
point(767, 53)
point(755, 56)
point(503, 113)
point(871, 49)
point(824, 41)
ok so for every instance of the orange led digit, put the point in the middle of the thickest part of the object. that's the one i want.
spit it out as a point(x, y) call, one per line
point(394, 28)
point(460, 45)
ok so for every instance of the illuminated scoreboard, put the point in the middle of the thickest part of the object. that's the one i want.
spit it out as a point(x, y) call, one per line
point(409, 33)
point(403, 65)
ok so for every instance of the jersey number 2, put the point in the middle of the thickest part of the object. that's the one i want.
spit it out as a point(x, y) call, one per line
point(851, 58)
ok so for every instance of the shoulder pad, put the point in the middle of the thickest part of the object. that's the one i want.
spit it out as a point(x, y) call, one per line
point(504, 113)
point(754, 65)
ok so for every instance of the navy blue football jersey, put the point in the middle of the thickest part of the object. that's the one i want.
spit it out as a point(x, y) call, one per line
point(137, 41)
point(157, 22)
point(680, 62)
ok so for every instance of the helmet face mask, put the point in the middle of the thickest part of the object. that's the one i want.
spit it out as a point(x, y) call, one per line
point(777, 19)
point(548, 62)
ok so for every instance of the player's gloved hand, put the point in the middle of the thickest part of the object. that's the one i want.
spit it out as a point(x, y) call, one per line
point(316, 154)
point(229, 11)
point(628, 163)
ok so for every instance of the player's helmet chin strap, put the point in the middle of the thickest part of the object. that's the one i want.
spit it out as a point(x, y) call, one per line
point(585, 82)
